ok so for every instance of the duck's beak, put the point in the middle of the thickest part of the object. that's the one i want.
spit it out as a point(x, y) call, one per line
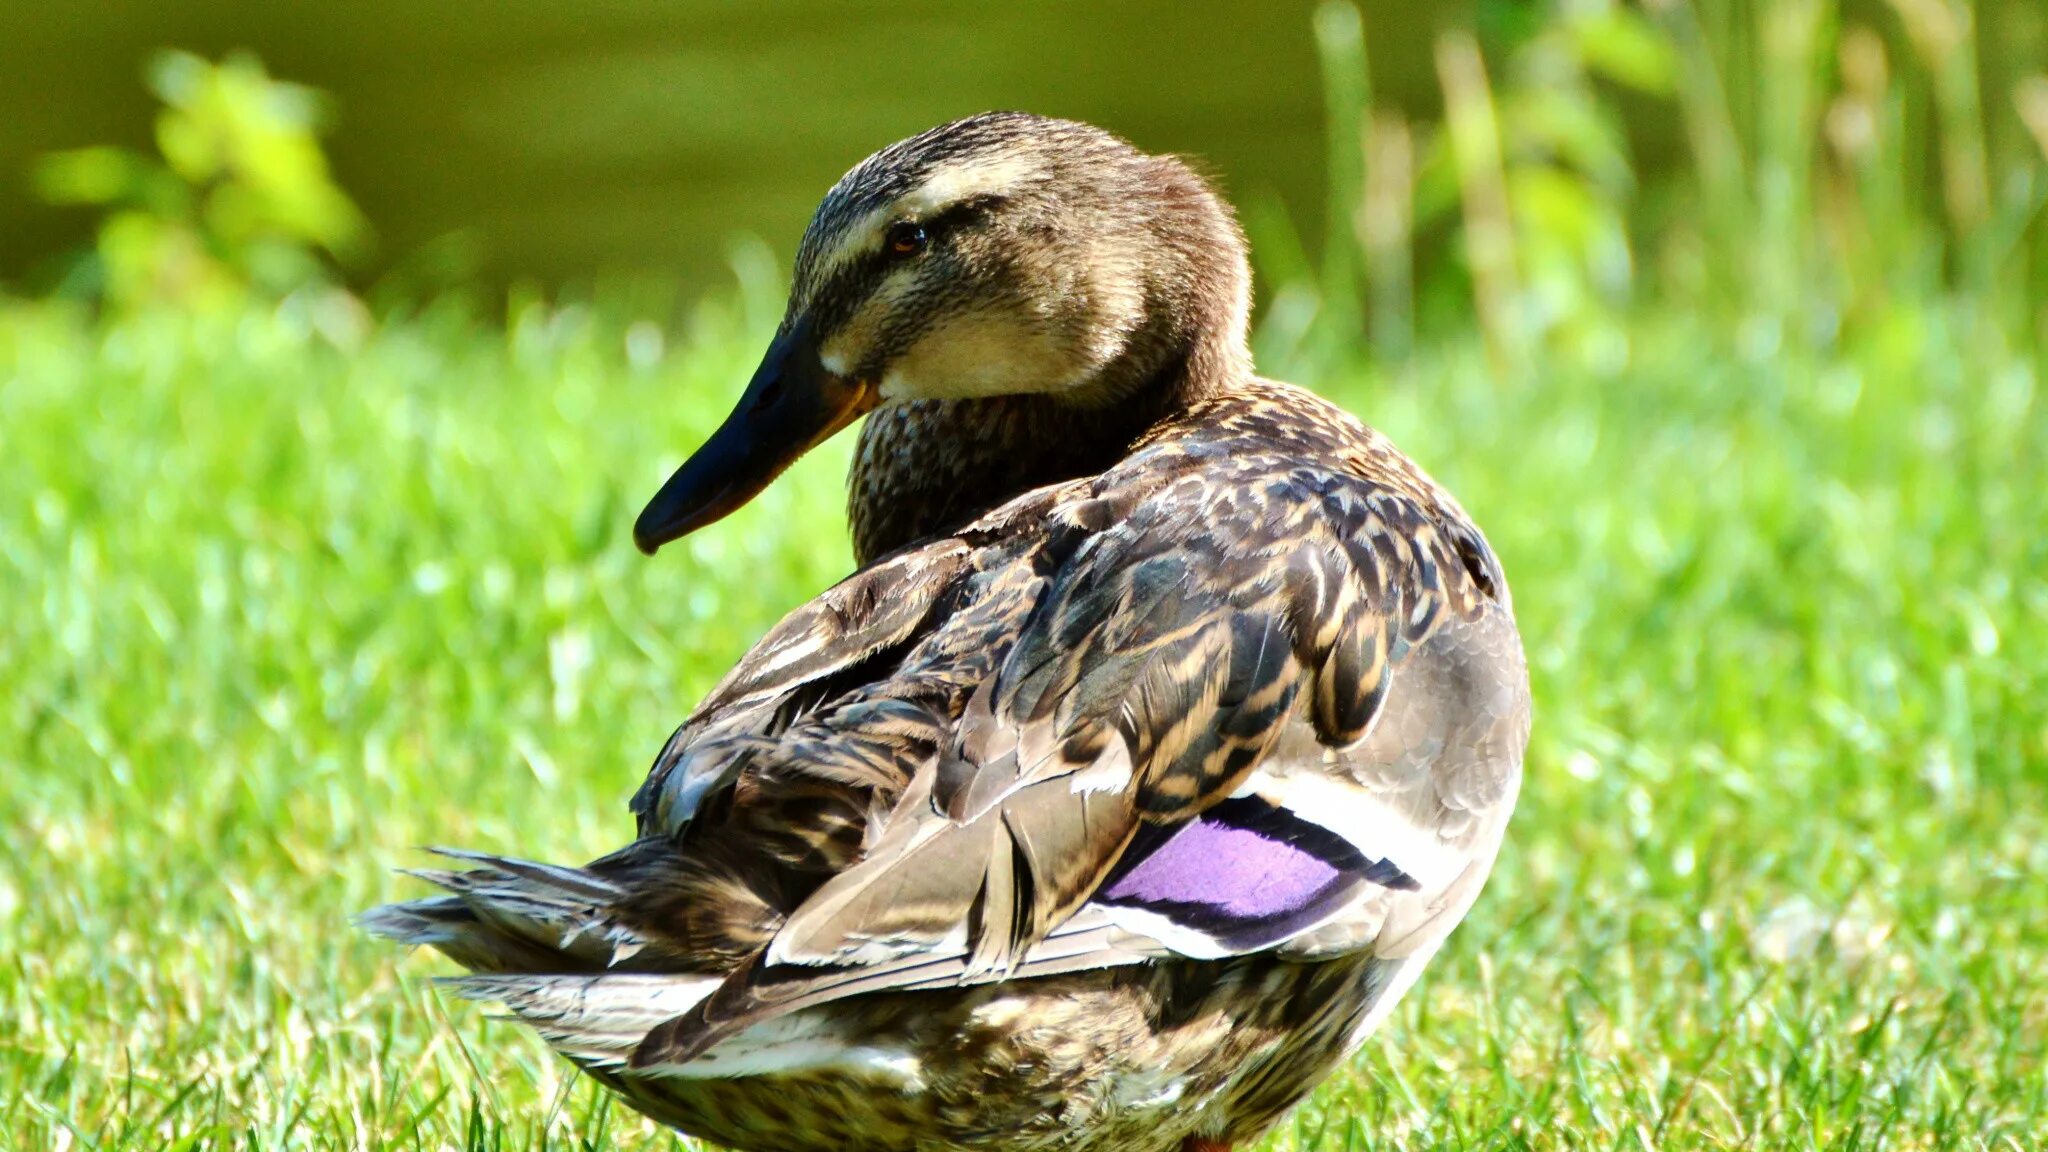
point(792, 406)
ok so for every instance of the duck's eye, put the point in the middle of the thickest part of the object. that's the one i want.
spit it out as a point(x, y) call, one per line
point(906, 238)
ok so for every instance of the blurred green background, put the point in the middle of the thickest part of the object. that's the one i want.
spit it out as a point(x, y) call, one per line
point(569, 139)
point(563, 140)
point(339, 345)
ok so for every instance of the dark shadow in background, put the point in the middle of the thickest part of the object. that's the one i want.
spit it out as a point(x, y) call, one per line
point(627, 136)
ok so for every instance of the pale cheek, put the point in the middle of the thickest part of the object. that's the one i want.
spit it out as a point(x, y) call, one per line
point(842, 351)
point(983, 356)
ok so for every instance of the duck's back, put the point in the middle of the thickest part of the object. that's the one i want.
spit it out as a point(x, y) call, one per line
point(1112, 817)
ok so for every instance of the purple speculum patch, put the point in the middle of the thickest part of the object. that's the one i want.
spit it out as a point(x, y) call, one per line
point(1244, 872)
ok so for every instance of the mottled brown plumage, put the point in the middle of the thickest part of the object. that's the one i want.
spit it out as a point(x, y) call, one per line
point(1170, 725)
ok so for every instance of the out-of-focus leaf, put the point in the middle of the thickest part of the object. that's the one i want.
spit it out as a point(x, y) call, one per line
point(1547, 201)
point(2030, 96)
point(148, 259)
point(1622, 46)
point(88, 175)
point(1436, 181)
point(176, 77)
point(1569, 126)
point(191, 146)
point(242, 199)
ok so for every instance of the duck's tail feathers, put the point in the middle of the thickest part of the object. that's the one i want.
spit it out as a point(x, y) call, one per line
point(505, 915)
point(597, 1021)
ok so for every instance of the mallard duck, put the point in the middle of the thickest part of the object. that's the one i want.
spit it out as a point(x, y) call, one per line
point(1169, 724)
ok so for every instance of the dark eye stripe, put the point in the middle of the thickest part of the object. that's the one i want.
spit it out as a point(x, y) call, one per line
point(848, 288)
point(961, 213)
point(909, 236)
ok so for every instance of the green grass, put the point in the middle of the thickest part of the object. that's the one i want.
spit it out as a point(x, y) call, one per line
point(275, 615)
point(1760, 441)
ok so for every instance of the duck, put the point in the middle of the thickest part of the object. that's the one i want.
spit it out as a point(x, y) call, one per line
point(1170, 722)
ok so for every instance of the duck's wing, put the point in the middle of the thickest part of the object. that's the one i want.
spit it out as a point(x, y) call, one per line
point(1089, 799)
point(850, 633)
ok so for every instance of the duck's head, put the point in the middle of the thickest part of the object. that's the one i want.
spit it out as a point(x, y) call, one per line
point(998, 256)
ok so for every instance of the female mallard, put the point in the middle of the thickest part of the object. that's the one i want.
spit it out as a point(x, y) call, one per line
point(1168, 727)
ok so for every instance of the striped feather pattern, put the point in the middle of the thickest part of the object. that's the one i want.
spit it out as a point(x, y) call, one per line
point(1164, 734)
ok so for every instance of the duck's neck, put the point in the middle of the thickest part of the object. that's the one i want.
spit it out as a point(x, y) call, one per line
point(929, 465)
point(926, 466)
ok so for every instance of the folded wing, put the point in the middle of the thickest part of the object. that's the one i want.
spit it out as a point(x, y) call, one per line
point(1092, 793)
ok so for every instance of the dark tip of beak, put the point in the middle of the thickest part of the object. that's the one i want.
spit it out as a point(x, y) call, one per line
point(644, 537)
point(791, 405)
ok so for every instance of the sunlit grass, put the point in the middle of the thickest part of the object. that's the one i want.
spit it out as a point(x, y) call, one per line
point(1763, 451)
point(275, 615)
